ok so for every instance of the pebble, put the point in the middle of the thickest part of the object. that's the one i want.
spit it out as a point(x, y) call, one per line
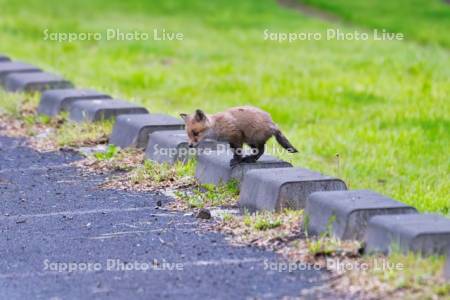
point(204, 214)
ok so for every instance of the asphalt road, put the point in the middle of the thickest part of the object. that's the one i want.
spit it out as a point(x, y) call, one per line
point(117, 244)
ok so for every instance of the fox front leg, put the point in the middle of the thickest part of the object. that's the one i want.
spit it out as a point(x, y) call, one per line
point(237, 154)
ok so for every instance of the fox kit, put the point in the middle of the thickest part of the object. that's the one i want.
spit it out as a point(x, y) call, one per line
point(237, 125)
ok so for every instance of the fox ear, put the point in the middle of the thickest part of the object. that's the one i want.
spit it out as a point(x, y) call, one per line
point(184, 116)
point(199, 115)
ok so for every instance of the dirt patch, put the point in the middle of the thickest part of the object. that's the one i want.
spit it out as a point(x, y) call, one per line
point(37, 133)
point(125, 161)
point(131, 182)
point(128, 170)
point(309, 10)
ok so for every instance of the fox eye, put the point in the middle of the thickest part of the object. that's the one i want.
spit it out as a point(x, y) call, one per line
point(194, 133)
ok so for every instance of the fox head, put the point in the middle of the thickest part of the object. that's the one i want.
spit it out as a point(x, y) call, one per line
point(197, 126)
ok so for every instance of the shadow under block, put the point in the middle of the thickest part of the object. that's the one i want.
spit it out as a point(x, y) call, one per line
point(102, 109)
point(4, 58)
point(13, 67)
point(134, 130)
point(275, 190)
point(35, 82)
point(54, 101)
point(427, 234)
point(346, 213)
point(214, 167)
point(447, 266)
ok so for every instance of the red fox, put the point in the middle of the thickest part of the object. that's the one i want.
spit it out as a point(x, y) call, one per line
point(237, 125)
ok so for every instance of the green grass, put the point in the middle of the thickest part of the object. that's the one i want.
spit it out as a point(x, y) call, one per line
point(110, 153)
point(421, 276)
point(18, 105)
point(155, 172)
point(426, 21)
point(206, 195)
point(324, 246)
point(262, 221)
point(382, 107)
point(85, 134)
point(9, 103)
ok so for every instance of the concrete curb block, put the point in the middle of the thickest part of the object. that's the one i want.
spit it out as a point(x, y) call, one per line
point(13, 67)
point(4, 58)
point(172, 145)
point(102, 109)
point(133, 131)
point(346, 213)
point(54, 101)
point(447, 267)
point(422, 233)
point(214, 167)
point(275, 190)
point(35, 82)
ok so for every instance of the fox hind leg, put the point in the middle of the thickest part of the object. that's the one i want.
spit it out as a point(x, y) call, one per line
point(236, 148)
point(257, 150)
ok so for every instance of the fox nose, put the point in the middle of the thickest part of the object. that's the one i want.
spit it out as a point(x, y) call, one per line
point(191, 145)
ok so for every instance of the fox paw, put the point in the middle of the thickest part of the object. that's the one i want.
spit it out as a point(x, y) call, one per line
point(235, 162)
point(248, 159)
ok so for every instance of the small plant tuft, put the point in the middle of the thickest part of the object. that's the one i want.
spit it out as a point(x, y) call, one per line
point(211, 195)
point(262, 221)
point(110, 152)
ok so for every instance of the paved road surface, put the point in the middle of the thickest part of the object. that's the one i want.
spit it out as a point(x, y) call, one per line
point(51, 213)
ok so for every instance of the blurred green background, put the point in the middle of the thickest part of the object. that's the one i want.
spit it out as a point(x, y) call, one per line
point(375, 113)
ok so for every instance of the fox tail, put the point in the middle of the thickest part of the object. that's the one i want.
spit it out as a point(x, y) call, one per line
point(284, 142)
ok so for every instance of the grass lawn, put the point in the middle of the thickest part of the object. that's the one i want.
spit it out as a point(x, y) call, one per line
point(427, 21)
point(375, 113)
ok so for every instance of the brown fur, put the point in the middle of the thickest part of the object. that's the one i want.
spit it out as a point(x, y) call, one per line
point(237, 125)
